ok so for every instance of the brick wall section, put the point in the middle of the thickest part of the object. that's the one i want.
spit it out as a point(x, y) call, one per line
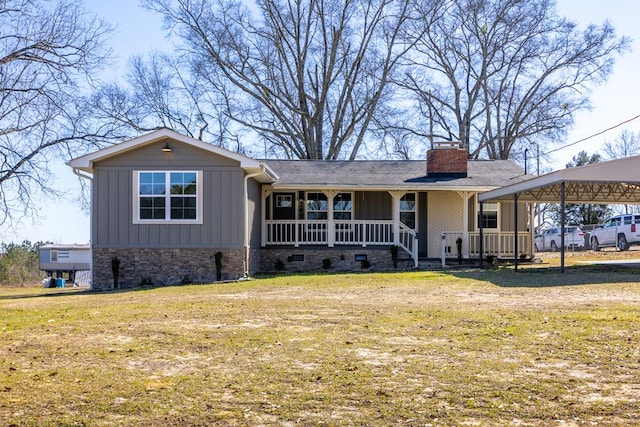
point(446, 160)
point(170, 266)
point(164, 266)
point(342, 259)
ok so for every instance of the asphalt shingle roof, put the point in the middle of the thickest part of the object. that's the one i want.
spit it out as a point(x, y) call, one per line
point(390, 174)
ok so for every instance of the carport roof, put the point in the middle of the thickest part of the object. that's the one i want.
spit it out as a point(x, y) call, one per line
point(614, 181)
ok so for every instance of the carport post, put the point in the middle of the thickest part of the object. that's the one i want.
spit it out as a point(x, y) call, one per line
point(562, 220)
point(515, 231)
point(481, 236)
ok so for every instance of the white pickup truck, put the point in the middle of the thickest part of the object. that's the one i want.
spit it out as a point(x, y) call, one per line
point(620, 230)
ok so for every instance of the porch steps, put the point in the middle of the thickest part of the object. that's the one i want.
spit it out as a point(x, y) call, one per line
point(423, 264)
point(435, 264)
point(429, 265)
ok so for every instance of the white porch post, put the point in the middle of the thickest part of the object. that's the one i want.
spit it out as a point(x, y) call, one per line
point(466, 195)
point(395, 196)
point(296, 221)
point(532, 233)
point(331, 225)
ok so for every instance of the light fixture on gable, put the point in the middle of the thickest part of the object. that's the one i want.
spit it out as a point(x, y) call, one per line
point(167, 148)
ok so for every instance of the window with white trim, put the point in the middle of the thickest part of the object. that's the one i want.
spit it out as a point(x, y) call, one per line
point(342, 206)
point(489, 219)
point(53, 255)
point(317, 206)
point(408, 210)
point(163, 196)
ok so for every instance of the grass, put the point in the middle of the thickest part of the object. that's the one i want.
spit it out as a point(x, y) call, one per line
point(424, 348)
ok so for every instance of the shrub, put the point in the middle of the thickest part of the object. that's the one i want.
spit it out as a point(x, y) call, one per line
point(394, 255)
point(218, 257)
point(145, 282)
point(115, 270)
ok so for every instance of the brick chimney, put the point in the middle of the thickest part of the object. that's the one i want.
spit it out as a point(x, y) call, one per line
point(447, 160)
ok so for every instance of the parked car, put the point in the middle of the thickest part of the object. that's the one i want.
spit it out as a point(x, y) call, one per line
point(550, 239)
point(620, 230)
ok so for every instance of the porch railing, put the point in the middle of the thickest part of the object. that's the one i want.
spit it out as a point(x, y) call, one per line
point(301, 232)
point(363, 233)
point(499, 244)
point(340, 232)
point(314, 232)
point(409, 242)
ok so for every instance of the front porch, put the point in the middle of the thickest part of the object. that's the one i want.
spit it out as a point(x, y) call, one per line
point(418, 223)
point(341, 233)
point(382, 233)
point(332, 218)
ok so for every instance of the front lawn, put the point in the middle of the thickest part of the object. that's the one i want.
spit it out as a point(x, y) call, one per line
point(423, 348)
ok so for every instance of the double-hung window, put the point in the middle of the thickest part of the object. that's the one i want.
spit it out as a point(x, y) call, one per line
point(342, 206)
point(317, 206)
point(171, 197)
point(408, 210)
point(489, 218)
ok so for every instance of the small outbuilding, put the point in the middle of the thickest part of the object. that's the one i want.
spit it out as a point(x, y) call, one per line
point(58, 261)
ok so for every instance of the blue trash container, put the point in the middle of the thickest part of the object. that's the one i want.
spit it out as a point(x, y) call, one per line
point(60, 282)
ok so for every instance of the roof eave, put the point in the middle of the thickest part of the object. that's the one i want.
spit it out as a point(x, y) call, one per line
point(407, 187)
point(85, 163)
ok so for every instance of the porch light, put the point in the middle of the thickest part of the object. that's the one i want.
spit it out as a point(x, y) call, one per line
point(167, 148)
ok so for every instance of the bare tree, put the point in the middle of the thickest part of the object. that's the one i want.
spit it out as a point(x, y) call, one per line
point(582, 213)
point(49, 51)
point(160, 91)
point(497, 73)
point(625, 145)
point(305, 75)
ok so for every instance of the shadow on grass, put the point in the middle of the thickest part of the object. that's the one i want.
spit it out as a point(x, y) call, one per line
point(537, 277)
point(53, 293)
point(56, 292)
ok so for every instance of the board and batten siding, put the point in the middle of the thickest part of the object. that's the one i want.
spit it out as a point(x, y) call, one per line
point(222, 201)
point(373, 205)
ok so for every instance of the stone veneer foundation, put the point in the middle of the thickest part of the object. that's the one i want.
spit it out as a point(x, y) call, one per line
point(342, 259)
point(175, 266)
point(164, 266)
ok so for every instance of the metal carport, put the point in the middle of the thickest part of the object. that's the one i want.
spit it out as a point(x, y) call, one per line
point(611, 182)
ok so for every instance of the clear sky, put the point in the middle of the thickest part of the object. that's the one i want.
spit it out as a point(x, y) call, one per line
point(139, 31)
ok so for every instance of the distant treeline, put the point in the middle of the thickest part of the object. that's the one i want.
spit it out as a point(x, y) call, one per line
point(19, 264)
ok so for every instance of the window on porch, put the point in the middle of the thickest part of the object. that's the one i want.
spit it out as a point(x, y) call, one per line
point(489, 218)
point(317, 206)
point(408, 210)
point(342, 206)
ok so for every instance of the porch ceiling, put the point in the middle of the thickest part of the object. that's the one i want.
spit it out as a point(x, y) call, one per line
point(615, 181)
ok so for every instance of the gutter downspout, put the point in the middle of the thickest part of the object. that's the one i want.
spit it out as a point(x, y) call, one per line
point(246, 218)
point(77, 172)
